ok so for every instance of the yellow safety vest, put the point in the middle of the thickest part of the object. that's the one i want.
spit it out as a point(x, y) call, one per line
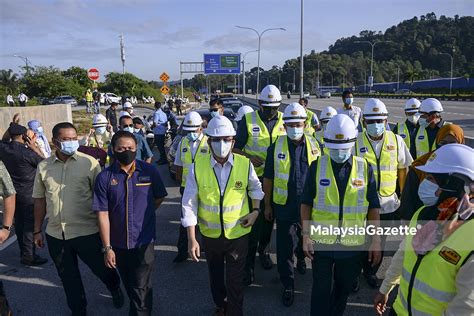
point(89, 97)
point(385, 167)
point(222, 213)
point(404, 133)
point(428, 283)
point(422, 144)
point(187, 157)
point(309, 122)
point(259, 138)
point(326, 204)
point(282, 165)
point(319, 135)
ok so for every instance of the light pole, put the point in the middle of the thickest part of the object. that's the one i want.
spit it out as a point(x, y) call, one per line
point(452, 62)
point(301, 55)
point(398, 77)
point(259, 34)
point(25, 59)
point(371, 83)
point(294, 79)
point(318, 83)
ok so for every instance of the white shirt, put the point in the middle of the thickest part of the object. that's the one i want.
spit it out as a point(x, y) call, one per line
point(354, 113)
point(194, 146)
point(390, 204)
point(161, 122)
point(9, 98)
point(190, 196)
point(22, 97)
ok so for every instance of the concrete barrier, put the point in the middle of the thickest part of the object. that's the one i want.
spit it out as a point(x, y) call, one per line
point(48, 115)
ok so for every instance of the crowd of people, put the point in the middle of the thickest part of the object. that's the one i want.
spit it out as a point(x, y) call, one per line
point(343, 171)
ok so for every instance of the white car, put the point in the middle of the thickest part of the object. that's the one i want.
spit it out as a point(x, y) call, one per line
point(111, 97)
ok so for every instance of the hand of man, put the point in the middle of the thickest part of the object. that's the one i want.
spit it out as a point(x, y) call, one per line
point(38, 240)
point(194, 250)
point(256, 161)
point(109, 259)
point(380, 302)
point(375, 254)
point(249, 219)
point(4, 235)
point(269, 213)
point(308, 247)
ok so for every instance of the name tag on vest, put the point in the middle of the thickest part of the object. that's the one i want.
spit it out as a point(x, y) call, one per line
point(256, 129)
point(281, 156)
point(421, 137)
point(403, 136)
point(363, 149)
point(358, 182)
point(324, 182)
point(144, 179)
point(185, 149)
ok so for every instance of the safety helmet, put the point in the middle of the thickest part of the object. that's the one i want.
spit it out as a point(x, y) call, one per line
point(34, 125)
point(451, 159)
point(220, 126)
point(127, 105)
point(270, 96)
point(124, 113)
point(430, 105)
point(412, 105)
point(294, 112)
point(327, 113)
point(242, 111)
point(98, 120)
point(192, 121)
point(374, 109)
point(340, 133)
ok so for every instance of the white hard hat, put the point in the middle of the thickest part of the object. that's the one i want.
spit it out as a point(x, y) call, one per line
point(412, 105)
point(374, 109)
point(99, 120)
point(242, 111)
point(430, 105)
point(270, 96)
point(294, 112)
point(124, 113)
point(451, 158)
point(127, 105)
point(220, 126)
point(192, 121)
point(327, 113)
point(340, 133)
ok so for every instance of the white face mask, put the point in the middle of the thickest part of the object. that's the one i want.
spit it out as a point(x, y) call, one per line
point(427, 192)
point(413, 118)
point(222, 148)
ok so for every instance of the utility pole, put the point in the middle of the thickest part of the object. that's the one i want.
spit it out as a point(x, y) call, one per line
point(301, 54)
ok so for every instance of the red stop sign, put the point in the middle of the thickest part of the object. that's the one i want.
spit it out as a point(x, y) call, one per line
point(93, 74)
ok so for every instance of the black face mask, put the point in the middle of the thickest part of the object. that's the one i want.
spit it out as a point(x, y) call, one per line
point(269, 112)
point(125, 157)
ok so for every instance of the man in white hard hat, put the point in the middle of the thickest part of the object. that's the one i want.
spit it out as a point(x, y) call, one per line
point(242, 111)
point(312, 122)
point(348, 108)
point(339, 191)
point(286, 167)
point(390, 158)
point(217, 194)
point(127, 106)
point(256, 132)
point(327, 113)
point(189, 148)
point(408, 129)
point(430, 122)
point(98, 135)
point(434, 264)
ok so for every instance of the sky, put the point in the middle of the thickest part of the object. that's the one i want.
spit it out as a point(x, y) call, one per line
point(159, 34)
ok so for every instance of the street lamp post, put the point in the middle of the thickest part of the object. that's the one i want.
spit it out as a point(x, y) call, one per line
point(301, 55)
point(259, 34)
point(452, 62)
point(371, 83)
point(398, 77)
point(25, 59)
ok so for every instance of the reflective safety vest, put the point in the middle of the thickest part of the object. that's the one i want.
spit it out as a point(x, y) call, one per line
point(259, 138)
point(404, 133)
point(187, 157)
point(327, 210)
point(218, 213)
point(319, 135)
point(428, 283)
point(422, 144)
point(386, 166)
point(282, 165)
point(309, 123)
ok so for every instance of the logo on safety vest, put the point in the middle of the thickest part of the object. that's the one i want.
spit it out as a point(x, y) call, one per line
point(256, 129)
point(238, 184)
point(390, 147)
point(324, 182)
point(315, 151)
point(281, 156)
point(421, 137)
point(363, 149)
point(450, 255)
point(403, 136)
point(185, 149)
point(357, 182)
point(204, 150)
point(113, 182)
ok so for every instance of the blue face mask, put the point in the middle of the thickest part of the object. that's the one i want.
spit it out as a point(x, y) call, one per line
point(340, 155)
point(69, 147)
point(100, 130)
point(423, 122)
point(294, 133)
point(129, 129)
point(192, 136)
point(349, 101)
point(376, 129)
point(40, 130)
point(215, 113)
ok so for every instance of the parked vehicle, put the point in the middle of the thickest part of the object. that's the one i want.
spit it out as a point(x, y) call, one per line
point(111, 97)
point(65, 99)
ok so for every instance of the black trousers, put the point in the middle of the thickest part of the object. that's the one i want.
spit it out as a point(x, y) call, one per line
point(228, 254)
point(386, 220)
point(65, 253)
point(160, 144)
point(328, 298)
point(24, 225)
point(259, 237)
point(289, 243)
point(135, 267)
point(178, 110)
point(22, 103)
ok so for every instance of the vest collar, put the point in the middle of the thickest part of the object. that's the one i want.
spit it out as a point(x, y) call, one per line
point(230, 160)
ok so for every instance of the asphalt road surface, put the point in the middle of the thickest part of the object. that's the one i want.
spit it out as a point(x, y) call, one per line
point(179, 289)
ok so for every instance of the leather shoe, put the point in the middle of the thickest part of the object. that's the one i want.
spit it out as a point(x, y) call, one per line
point(180, 257)
point(356, 286)
point(288, 296)
point(117, 298)
point(249, 277)
point(372, 280)
point(33, 261)
point(265, 261)
point(301, 266)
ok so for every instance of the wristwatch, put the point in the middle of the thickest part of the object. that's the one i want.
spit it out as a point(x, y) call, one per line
point(256, 209)
point(106, 248)
point(9, 228)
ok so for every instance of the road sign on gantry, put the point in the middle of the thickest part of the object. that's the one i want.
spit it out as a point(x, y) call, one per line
point(165, 89)
point(93, 74)
point(223, 64)
point(164, 77)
